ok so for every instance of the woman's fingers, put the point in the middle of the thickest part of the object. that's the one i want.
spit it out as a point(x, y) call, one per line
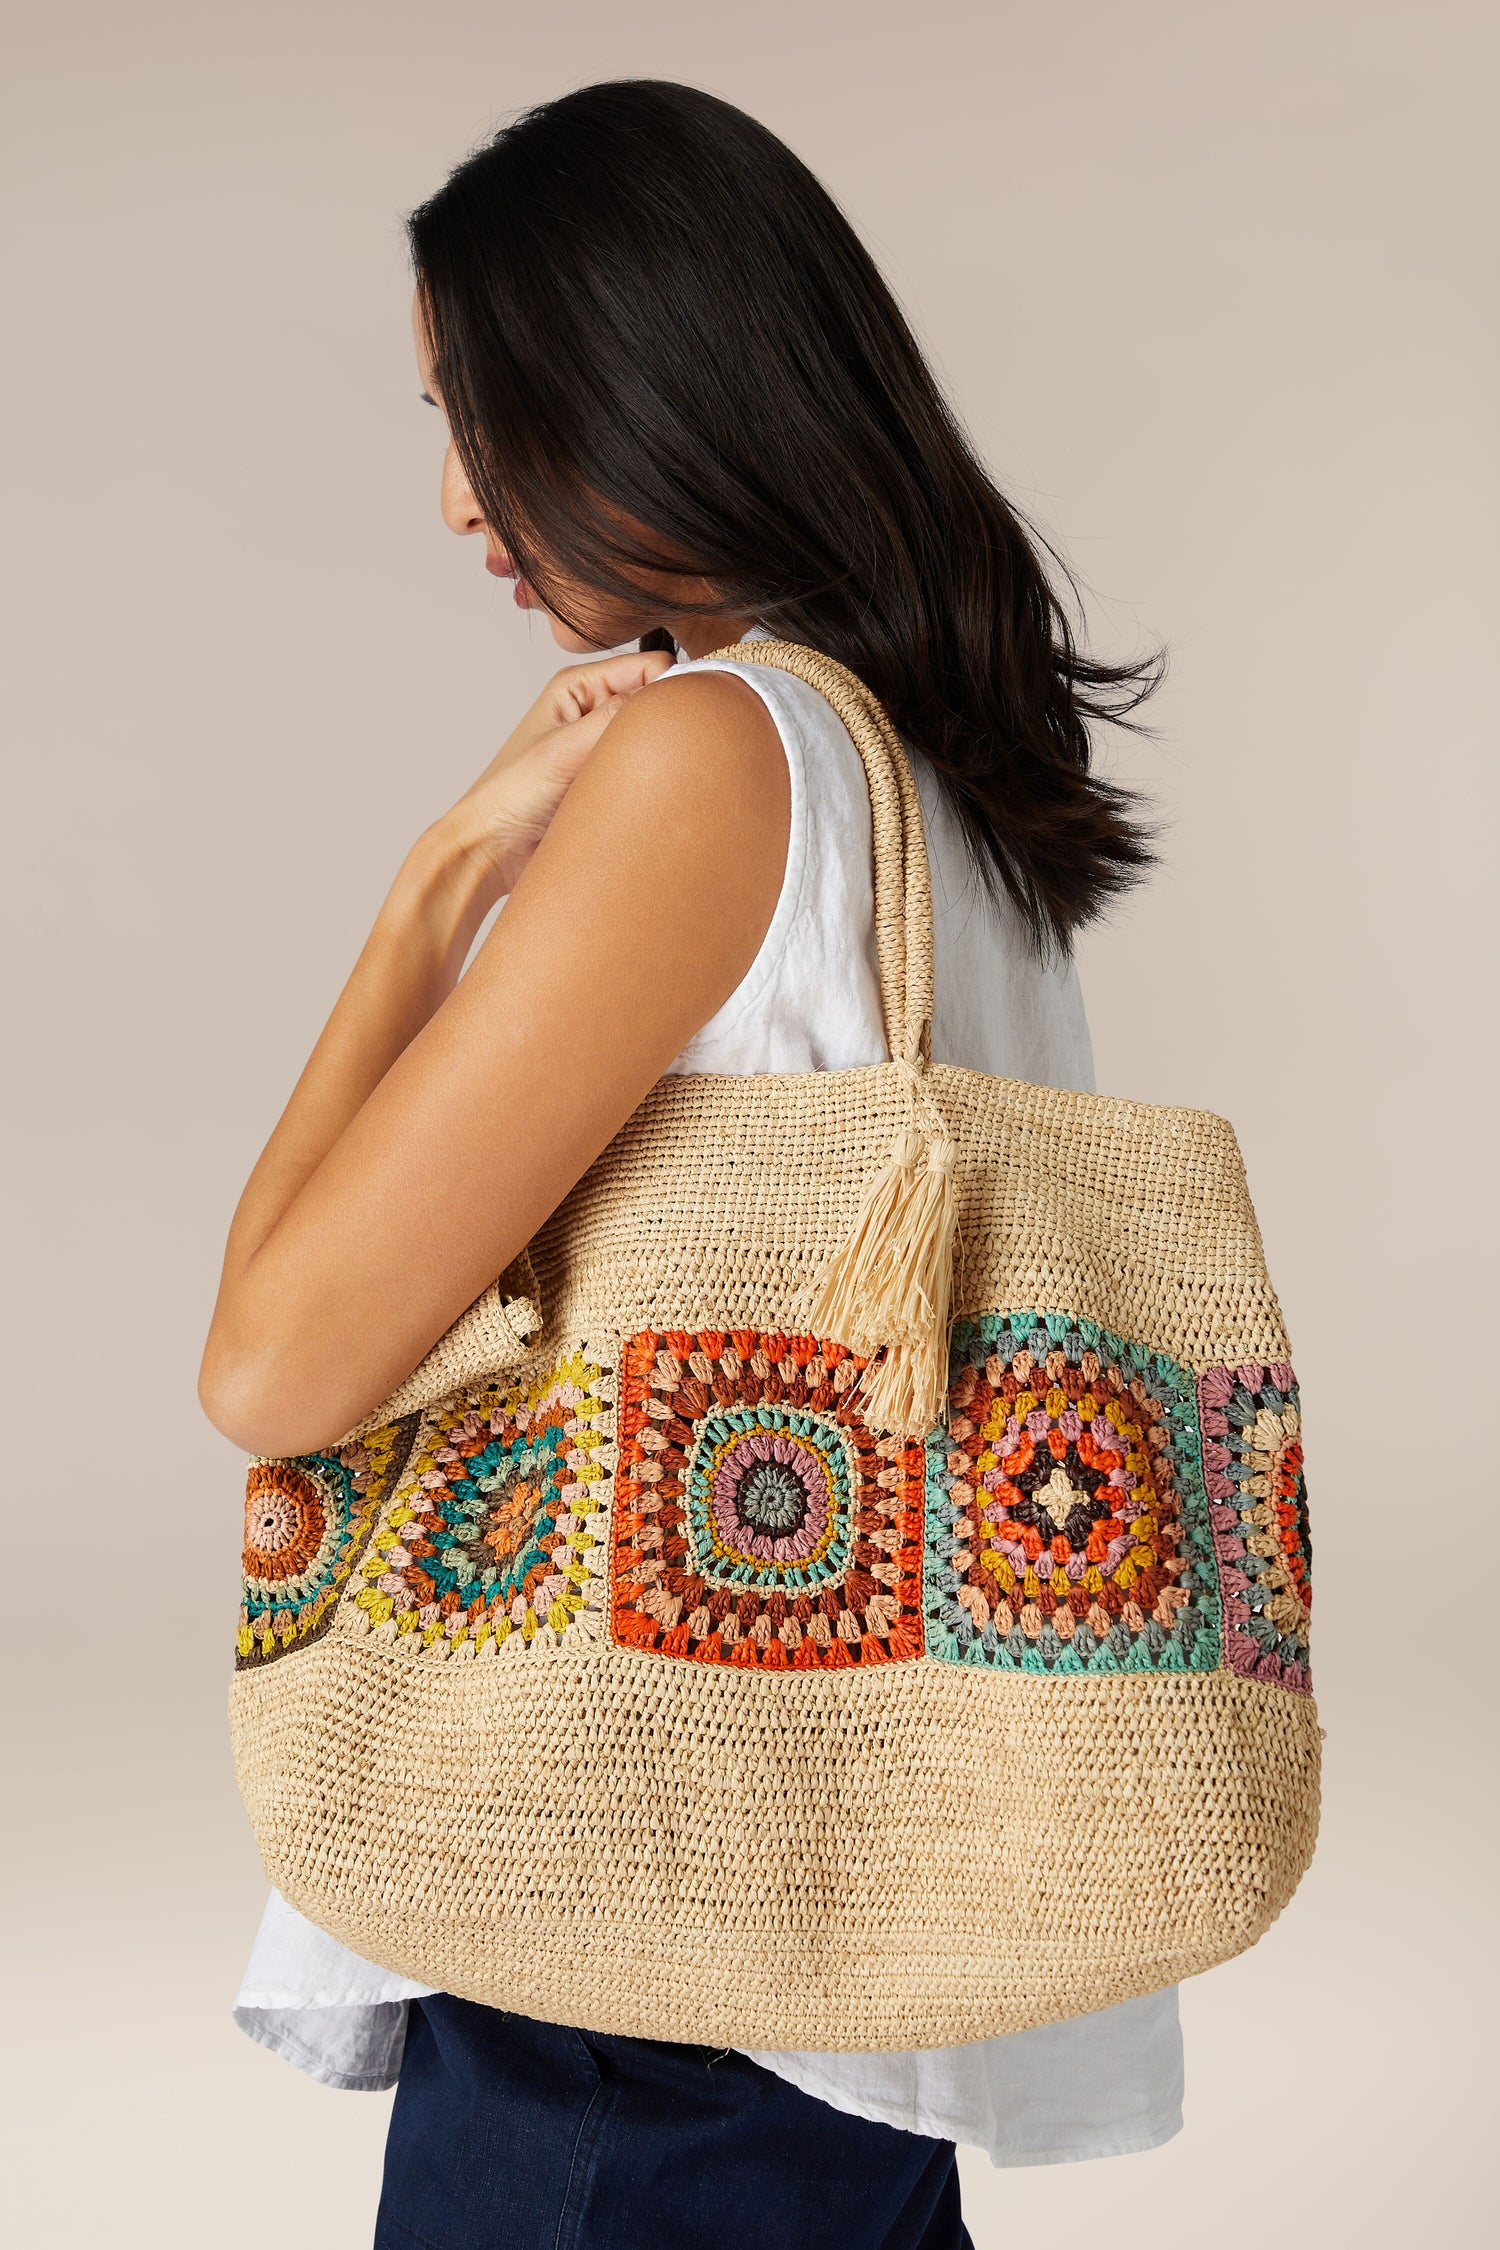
point(571, 744)
point(581, 690)
point(584, 687)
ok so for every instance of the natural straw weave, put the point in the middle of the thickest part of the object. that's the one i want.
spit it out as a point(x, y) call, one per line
point(891, 1854)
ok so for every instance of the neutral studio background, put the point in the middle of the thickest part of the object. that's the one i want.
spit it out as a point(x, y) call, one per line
point(1213, 285)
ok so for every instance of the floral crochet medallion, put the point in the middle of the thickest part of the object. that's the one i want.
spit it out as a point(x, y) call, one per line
point(1252, 1458)
point(495, 1540)
point(307, 1522)
point(1068, 1527)
point(758, 1521)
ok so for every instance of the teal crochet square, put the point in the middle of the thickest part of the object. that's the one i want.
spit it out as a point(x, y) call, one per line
point(1067, 1525)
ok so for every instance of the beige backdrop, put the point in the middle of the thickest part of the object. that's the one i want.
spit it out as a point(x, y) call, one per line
point(1213, 286)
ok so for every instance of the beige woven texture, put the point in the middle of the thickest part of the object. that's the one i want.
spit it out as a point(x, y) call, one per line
point(910, 1857)
point(914, 1855)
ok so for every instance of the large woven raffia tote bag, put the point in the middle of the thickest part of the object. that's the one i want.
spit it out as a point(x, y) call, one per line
point(724, 1637)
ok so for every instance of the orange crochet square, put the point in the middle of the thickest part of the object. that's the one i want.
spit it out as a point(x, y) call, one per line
point(757, 1520)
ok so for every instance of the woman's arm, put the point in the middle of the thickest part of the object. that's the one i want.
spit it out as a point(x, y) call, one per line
point(441, 1120)
point(451, 878)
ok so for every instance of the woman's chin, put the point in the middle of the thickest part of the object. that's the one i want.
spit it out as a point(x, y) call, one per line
point(575, 644)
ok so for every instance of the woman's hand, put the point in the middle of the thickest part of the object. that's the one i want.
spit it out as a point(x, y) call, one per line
point(497, 824)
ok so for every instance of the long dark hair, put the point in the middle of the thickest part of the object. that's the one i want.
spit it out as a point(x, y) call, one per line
point(642, 305)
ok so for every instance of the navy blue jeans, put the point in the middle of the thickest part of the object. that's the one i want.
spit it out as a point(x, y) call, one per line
point(506, 2131)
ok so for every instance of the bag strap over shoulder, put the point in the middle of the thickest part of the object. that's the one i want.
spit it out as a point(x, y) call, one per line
point(888, 1287)
point(903, 884)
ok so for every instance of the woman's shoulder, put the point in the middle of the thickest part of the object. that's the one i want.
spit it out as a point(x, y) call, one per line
point(708, 704)
point(704, 756)
point(781, 691)
point(829, 793)
point(811, 998)
point(693, 778)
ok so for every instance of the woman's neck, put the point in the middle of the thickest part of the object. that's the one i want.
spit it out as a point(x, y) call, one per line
point(700, 636)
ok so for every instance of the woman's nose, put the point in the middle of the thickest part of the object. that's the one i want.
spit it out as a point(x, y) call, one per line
point(461, 511)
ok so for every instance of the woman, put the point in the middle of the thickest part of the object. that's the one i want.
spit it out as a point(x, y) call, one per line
point(682, 410)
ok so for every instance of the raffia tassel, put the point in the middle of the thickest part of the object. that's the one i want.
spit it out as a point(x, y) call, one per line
point(888, 1289)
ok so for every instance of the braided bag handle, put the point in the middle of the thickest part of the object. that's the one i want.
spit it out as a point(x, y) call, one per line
point(903, 883)
point(888, 1287)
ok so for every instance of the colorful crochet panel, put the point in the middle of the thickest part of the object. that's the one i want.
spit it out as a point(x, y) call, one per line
point(757, 1521)
point(1068, 1528)
point(307, 1523)
point(1252, 1460)
point(1088, 1505)
point(496, 1538)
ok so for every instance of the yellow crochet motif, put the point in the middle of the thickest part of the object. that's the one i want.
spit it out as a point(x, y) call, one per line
point(497, 1531)
point(306, 1523)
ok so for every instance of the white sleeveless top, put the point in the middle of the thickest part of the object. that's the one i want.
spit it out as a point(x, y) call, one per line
point(1096, 2085)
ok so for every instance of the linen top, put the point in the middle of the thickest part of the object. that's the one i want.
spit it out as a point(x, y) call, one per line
point(1096, 2085)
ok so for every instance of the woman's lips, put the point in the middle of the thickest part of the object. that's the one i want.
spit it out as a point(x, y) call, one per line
point(501, 566)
